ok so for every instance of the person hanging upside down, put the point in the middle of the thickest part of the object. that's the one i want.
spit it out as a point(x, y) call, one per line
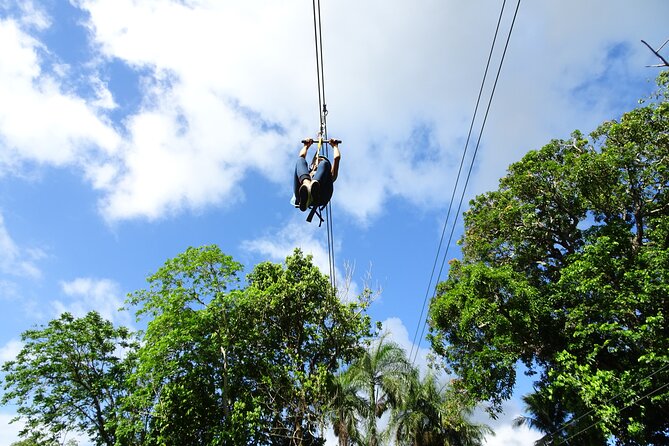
point(313, 186)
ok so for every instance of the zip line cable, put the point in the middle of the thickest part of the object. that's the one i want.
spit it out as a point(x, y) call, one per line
point(319, 60)
point(322, 112)
point(457, 180)
point(471, 166)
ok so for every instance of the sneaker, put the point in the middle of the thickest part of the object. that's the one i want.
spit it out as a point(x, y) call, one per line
point(304, 197)
point(315, 192)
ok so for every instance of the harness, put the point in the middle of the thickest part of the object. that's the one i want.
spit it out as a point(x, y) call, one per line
point(316, 210)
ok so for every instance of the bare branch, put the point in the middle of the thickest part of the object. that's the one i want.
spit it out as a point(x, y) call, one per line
point(665, 63)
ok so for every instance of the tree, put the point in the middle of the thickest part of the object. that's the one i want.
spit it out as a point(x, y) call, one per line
point(183, 391)
point(549, 415)
point(431, 414)
point(566, 268)
point(304, 333)
point(381, 374)
point(30, 442)
point(348, 409)
point(222, 363)
point(70, 375)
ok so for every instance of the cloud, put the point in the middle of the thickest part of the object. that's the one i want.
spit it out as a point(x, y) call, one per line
point(39, 121)
point(401, 101)
point(16, 261)
point(508, 435)
point(204, 121)
point(505, 433)
point(9, 433)
point(87, 294)
point(277, 246)
point(226, 89)
point(9, 290)
point(398, 333)
point(10, 350)
point(311, 239)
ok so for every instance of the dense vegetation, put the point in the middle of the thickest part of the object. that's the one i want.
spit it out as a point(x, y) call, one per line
point(271, 361)
point(566, 269)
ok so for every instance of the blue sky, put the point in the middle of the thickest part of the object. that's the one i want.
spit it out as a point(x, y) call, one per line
point(130, 131)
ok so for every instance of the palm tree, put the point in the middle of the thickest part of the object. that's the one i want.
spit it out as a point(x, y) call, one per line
point(547, 416)
point(553, 415)
point(347, 408)
point(381, 374)
point(431, 415)
point(414, 420)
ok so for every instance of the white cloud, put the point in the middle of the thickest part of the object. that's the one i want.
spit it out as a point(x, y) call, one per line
point(311, 239)
point(9, 433)
point(505, 433)
point(398, 333)
point(508, 435)
point(228, 89)
point(9, 290)
point(389, 75)
point(17, 261)
point(10, 350)
point(86, 294)
point(39, 121)
point(33, 15)
point(204, 122)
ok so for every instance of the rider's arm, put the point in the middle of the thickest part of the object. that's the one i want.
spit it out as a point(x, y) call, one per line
point(307, 143)
point(335, 160)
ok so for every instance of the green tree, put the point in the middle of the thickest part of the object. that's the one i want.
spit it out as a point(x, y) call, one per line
point(566, 269)
point(381, 374)
point(431, 414)
point(69, 375)
point(30, 442)
point(348, 409)
point(303, 333)
point(222, 363)
point(549, 415)
point(183, 389)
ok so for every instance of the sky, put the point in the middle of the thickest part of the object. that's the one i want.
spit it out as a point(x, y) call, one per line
point(131, 130)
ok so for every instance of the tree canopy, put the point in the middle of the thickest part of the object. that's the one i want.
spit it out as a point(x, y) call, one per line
point(221, 361)
point(565, 268)
point(68, 376)
point(226, 363)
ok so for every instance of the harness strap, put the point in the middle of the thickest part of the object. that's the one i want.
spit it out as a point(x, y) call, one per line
point(316, 211)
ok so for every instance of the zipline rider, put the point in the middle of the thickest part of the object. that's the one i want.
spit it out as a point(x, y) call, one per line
point(313, 186)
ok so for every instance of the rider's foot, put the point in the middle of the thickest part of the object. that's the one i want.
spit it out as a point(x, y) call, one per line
point(304, 197)
point(315, 192)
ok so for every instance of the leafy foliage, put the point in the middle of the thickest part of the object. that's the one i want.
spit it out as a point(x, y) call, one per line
point(381, 374)
point(433, 414)
point(565, 268)
point(422, 412)
point(223, 364)
point(348, 409)
point(70, 375)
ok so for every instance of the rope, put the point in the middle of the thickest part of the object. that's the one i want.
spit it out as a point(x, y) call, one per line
point(323, 134)
point(318, 69)
point(471, 165)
